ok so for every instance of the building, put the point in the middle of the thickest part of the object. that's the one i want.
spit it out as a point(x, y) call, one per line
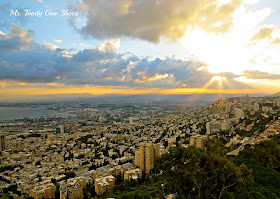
point(248, 100)
point(256, 107)
point(3, 143)
point(126, 167)
point(131, 120)
point(171, 140)
point(72, 189)
point(60, 129)
point(198, 141)
point(228, 107)
point(145, 157)
point(132, 174)
point(277, 102)
point(266, 109)
point(216, 126)
point(239, 113)
point(104, 184)
point(44, 191)
point(156, 148)
point(137, 158)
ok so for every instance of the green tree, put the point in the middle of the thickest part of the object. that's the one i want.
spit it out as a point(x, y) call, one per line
point(202, 174)
point(266, 153)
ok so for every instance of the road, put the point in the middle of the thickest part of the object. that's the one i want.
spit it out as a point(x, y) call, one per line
point(247, 140)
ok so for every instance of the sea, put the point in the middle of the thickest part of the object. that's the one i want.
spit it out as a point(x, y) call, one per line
point(11, 113)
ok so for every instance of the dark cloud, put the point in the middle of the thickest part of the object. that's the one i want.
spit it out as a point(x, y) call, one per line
point(17, 39)
point(28, 61)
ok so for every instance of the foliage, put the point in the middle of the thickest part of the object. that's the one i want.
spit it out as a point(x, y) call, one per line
point(85, 138)
point(132, 189)
point(54, 181)
point(209, 173)
point(263, 160)
point(34, 135)
point(57, 193)
point(244, 133)
point(266, 154)
point(5, 196)
point(21, 136)
point(68, 175)
point(199, 174)
point(81, 156)
point(266, 183)
point(7, 168)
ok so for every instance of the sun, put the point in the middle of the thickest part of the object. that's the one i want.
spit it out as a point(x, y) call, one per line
point(222, 53)
point(227, 51)
point(218, 78)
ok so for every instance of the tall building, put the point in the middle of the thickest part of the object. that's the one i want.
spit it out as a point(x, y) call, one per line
point(277, 102)
point(145, 157)
point(156, 150)
point(228, 106)
point(2, 142)
point(216, 126)
point(137, 158)
point(256, 107)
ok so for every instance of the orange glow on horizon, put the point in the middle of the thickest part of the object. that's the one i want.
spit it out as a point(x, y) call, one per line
point(101, 90)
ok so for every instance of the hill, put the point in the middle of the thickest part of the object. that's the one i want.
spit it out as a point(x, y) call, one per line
point(275, 95)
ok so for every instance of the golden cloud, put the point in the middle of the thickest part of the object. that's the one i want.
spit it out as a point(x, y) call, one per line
point(269, 33)
point(16, 31)
point(153, 19)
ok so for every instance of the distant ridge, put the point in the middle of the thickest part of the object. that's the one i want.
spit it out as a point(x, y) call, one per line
point(198, 99)
point(275, 95)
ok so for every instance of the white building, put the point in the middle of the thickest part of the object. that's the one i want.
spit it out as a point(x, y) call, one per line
point(216, 126)
point(256, 107)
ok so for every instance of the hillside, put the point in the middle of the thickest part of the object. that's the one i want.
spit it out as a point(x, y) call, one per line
point(276, 95)
point(195, 173)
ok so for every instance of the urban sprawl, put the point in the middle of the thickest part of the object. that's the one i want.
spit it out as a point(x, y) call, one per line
point(103, 146)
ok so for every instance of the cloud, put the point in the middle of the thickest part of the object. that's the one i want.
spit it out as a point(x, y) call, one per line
point(111, 45)
point(256, 74)
point(277, 41)
point(50, 46)
point(58, 41)
point(17, 39)
point(16, 31)
point(30, 62)
point(268, 33)
point(153, 19)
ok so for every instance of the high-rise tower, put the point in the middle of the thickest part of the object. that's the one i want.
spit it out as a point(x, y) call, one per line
point(2, 142)
point(145, 157)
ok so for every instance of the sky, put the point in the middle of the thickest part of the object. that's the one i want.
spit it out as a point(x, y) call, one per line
point(139, 47)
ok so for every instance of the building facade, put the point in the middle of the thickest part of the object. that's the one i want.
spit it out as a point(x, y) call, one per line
point(104, 184)
point(2, 142)
point(145, 157)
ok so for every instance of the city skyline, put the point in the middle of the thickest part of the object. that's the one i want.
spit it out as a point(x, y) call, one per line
point(139, 47)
